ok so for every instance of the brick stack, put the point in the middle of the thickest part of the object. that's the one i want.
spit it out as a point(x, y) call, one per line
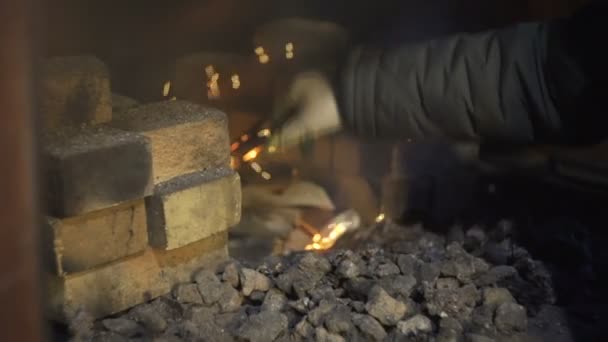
point(137, 200)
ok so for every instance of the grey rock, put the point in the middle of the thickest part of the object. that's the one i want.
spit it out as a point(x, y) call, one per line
point(482, 320)
point(187, 294)
point(384, 308)
point(302, 305)
point(417, 325)
point(457, 303)
point(447, 284)
point(339, 320)
point(358, 288)
point(252, 280)
point(428, 272)
point(322, 335)
point(257, 296)
point(263, 327)
point(370, 327)
point(475, 238)
point(398, 285)
point(275, 300)
point(322, 292)
point(149, 317)
point(304, 329)
point(496, 275)
point(205, 276)
point(314, 263)
point(317, 315)
point(357, 306)
point(408, 264)
point(230, 299)
point(231, 321)
point(347, 269)
point(231, 274)
point(450, 324)
point(106, 336)
point(122, 326)
point(510, 318)
point(495, 296)
point(479, 338)
point(387, 269)
point(209, 286)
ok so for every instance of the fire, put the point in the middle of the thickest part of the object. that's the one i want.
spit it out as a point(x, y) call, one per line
point(252, 154)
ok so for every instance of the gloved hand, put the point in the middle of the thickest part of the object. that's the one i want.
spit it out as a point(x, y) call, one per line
point(307, 110)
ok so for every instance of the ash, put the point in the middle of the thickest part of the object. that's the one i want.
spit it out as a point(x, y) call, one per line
point(410, 285)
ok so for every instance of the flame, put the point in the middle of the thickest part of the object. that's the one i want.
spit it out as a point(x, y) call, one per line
point(252, 154)
point(323, 243)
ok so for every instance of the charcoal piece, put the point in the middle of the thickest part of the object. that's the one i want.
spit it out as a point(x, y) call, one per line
point(408, 264)
point(304, 329)
point(187, 294)
point(357, 306)
point(387, 269)
point(482, 320)
point(150, 318)
point(496, 275)
point(398, 285)
point(302, 305)
point(347, 269)
point(275, 300)
point(263, 327)
point(233, 320)
point(369, 327)
point(358, 288)
point(429, 272)
point(447, 284)
point(230, 299)
point(257, 296)
point(510, 318)
point(417, 325)
point(478, 338)
point(383, 307)
point(322, 292)
point(498, 253)
point(168, 308)
point(457, 303)
point(322, 335)
point(231, 274)
point(339, 321)
point(317, 315)
point(314, 264)
point(252, 280)
point(122, 326)
point(495, 296)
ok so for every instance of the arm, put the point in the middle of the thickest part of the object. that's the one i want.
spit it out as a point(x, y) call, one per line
point(524, 84)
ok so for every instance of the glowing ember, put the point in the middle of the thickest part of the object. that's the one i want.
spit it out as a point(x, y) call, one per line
point(256, 167)
point(251, 155)
point(259, 50)
point(380, 218)
point(244, 137)
point(264, 133)
point(235, 145)
point(236, 81)
point(166, 88)
point(266, 175)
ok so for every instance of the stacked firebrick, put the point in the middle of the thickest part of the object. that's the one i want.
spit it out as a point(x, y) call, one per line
point(137, 198)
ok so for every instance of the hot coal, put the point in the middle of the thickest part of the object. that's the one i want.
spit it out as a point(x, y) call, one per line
point(417, 288)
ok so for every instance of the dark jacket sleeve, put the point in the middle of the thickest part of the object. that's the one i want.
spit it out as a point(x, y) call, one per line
point(517, 85)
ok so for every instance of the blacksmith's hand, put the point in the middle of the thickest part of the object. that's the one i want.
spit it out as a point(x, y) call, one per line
point(307, 110)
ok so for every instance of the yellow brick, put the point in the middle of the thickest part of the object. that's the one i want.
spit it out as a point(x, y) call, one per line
point(131, 281)
point(192, 207)
point(185, 137)
point(97, 238)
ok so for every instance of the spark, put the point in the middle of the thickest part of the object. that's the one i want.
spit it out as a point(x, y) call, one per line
point(233, 163)
point(380, 217)
point(266, 175)
point(316, 238)
point(289, 55)
point(259, 50)
point(251, 155)
point(235, 145)
point(289, 47)
point(209, 71)
point(264, 59)
point(236, 81)
point(244, 137)
point(166, 88)
point(256, 167)
point(264, 133)
point(272, 149)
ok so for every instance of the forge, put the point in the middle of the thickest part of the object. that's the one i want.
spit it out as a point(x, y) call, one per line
point(168, 213)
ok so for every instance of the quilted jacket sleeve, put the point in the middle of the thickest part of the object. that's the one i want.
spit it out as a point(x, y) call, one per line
point(519, 85)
